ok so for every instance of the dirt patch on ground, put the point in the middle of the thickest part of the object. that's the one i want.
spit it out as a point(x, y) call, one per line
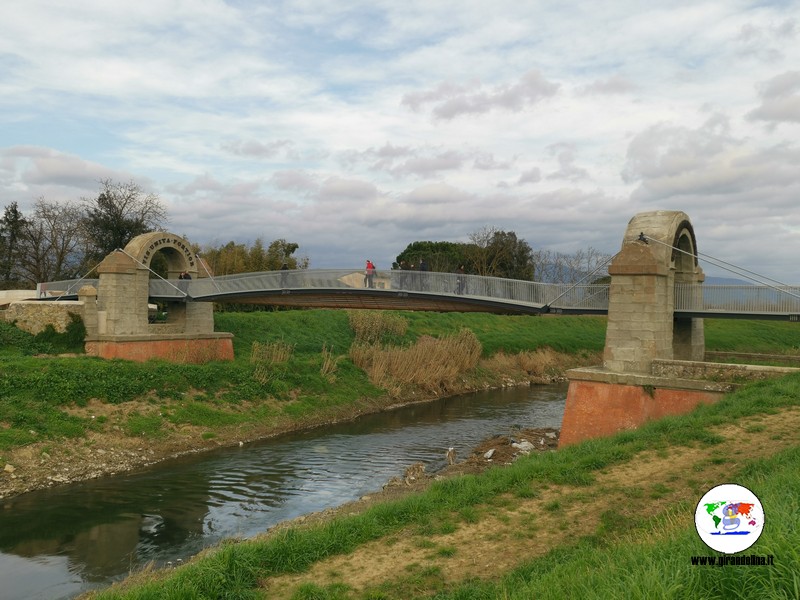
point(516, 529)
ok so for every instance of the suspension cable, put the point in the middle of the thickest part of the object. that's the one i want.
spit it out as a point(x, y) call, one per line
point(763, 279)
point(576, 284)
point(76, 282)
point(205, 268)
point(185, 294)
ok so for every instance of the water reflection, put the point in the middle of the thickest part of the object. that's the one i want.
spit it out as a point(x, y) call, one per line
point(56, 543)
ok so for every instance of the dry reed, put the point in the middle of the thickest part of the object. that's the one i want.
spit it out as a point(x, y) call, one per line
point(329, 364)
point(430, 363)
point(541, 363)
point(266, 357)
point(372, 326)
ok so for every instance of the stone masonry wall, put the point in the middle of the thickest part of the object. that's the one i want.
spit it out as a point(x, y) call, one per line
point(716, 371)
point(33, 316)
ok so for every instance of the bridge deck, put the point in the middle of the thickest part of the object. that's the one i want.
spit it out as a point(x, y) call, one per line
point(413, 290)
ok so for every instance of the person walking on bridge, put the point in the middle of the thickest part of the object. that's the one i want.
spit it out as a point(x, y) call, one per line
point(369, 275)
point(423, 281)
point(461, 280)
point(284, 275)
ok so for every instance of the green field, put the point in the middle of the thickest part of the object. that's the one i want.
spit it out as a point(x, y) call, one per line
point(292, 367)
point(38, 382)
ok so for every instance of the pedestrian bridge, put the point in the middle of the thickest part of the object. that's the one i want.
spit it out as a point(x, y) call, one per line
point(419, 290)
point(656, 304)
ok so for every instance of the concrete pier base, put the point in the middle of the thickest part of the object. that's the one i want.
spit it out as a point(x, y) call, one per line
point(601, 403)
point(177, 348)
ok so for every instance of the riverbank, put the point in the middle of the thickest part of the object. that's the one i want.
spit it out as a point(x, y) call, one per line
point(113, 417)
point(109, 452)
point(68, 417)
point(605, 518)
point(81, 418)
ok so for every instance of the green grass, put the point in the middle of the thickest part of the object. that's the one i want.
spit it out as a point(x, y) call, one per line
point(637, 566)
point(36, 389)
point(144, 425)
point(735, 335)
point(307, 330)
point(513, 334)
point(640, 564)
point(203, 415)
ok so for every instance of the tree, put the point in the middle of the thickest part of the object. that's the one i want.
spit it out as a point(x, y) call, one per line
point(443, 257)
point(119, 213)
point(513, 257)
point(239, 258)
point(49, 241)
point(11, 231)
point(584, 266)
point(497, 253)
point(280, 251)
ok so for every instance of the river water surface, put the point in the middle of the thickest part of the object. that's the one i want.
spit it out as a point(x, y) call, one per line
point(57, 543)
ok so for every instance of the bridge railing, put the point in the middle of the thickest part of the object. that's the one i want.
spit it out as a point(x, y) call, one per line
point(556, 296)
point(67, 287)
point(589, 297)
point(740, 299)
point(733, 299)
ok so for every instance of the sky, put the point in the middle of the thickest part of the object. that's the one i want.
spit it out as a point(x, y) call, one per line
point(354, 128)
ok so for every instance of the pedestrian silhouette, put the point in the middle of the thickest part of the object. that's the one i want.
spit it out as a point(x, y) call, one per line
point(284, 275)
point(461, 280)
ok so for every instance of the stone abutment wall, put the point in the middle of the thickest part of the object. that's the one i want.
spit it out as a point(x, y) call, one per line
point(34, 317)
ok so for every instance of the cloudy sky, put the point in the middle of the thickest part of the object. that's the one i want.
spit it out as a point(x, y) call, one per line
point(356, 127)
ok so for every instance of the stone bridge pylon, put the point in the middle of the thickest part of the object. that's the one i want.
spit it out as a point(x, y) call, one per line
point(646, 347)
point(117, 318)
point(658, 251)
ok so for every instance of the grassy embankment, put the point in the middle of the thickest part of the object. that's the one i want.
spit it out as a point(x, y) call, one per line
point(623, 537)
point(294, 367)
point(298, 368)
point(291, 369)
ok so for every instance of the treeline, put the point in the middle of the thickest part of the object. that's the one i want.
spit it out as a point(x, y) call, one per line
point(496, 253)
point(235, 258)
point(66, 240)
point(61, 240)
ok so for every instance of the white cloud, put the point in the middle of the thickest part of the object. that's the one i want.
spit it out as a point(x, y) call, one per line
point(615, 84)
point(451, 100)
point(355, 128)
point(780, 99)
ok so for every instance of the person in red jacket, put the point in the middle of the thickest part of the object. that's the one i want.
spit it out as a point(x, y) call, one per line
point(369, 275)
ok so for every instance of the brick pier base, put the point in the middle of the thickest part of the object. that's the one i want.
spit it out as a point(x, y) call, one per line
point(601, 403)
point(174, 348)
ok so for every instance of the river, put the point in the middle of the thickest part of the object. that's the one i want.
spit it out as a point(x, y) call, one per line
point(57, 543)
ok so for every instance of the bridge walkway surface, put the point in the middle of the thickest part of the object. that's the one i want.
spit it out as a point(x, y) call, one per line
point(424, 290)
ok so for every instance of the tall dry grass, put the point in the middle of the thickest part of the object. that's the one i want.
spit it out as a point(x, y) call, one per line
point(373, 326)
point(269, 358)
point(430, 363)
point(540, 364)
point(330, 362)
